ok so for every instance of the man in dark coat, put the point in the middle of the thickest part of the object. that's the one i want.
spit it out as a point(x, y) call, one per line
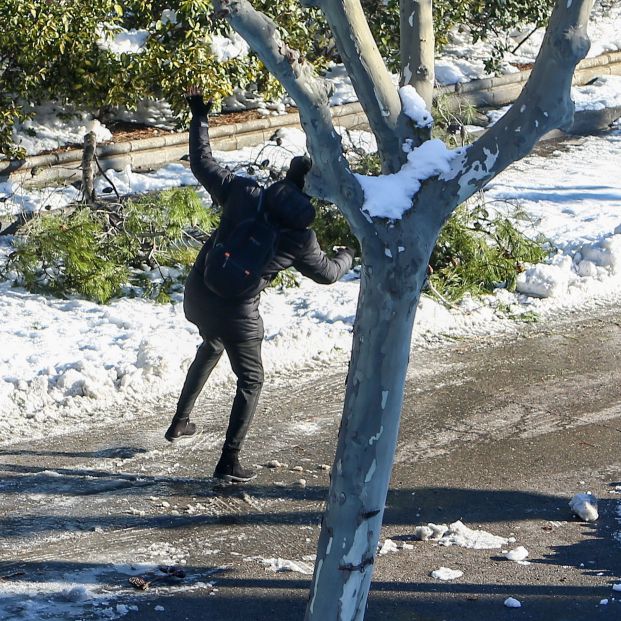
point(235, 325)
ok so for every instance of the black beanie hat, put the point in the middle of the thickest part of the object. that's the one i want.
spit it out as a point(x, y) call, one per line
point(298, 168)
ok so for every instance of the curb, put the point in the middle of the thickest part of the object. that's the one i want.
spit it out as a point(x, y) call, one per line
point(149, 153)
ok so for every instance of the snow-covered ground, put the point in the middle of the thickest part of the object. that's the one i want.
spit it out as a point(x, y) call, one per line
point(68, 363)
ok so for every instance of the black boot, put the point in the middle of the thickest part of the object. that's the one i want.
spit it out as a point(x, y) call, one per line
point(180, 429)
point(229, 469)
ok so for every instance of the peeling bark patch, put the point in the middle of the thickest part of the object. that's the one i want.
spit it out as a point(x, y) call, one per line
point(407, 74)
point(359, 545)
point(371, 471)
point(315, 590)
point(470, 179)
point(376, 437)
point(370, 514)
point(366, 562)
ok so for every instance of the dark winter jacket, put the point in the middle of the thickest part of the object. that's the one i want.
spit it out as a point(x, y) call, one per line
point(287, 207)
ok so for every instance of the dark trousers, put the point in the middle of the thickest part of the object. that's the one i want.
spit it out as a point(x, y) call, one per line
point(245, 359)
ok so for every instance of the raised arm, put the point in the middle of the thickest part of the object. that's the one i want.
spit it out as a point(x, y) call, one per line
point(215, 178)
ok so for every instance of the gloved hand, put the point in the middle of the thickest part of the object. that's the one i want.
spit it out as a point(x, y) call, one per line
point(346, 250)
point(198, 106)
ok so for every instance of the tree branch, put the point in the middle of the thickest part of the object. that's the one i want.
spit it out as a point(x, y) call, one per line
point(544, 103)
point(370, 79)
point(417, 47)
point(331, 177)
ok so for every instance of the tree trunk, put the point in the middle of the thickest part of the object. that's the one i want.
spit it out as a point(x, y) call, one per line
point(367, 441)
point(417, 47)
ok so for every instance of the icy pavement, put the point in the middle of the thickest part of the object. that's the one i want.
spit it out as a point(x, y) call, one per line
point(495, 441)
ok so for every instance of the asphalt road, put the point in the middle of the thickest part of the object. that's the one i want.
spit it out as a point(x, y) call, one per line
point(498, 434)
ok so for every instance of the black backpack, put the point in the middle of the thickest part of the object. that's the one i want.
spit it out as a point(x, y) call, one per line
point(235, 263)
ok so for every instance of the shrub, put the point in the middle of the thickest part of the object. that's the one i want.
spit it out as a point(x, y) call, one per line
point(477, 252)
point(55, 51)
point(96, 252)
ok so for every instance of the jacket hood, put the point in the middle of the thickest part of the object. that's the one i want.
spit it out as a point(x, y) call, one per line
point(287, 206)
point(298, 169)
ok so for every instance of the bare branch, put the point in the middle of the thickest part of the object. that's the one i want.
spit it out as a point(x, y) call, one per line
point(417, 47)
point(544, 104)
point(336, 184)
point(370, 79)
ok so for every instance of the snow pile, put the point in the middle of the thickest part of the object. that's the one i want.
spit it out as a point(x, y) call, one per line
point(519, 554)
point(227, 48)
point(458, 534)
point(282, 564)
point(511, 602)
point(54, 126)
point(414, 106)
point(444, 573)
point(152, 112)
point(118, 41)
point(584, 505)
point(388, 546)
point(604, 92)
point(546, 280)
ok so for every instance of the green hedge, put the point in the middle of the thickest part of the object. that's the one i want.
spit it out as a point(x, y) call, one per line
point(49, 50)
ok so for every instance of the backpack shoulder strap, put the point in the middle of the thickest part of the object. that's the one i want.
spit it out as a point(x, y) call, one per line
point(261, 200)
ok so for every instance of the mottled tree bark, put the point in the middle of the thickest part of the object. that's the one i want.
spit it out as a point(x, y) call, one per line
point(88, 167)
point(395, 254)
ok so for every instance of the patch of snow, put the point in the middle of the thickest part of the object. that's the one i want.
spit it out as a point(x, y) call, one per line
point(584, 505)
point(458, 534)
point(228, 48)
point(414, 106)
point(511, 602)
point(430, 159)
point(444, 573)
point(388, 546)
point(118, 41)
point(282, 565)
point(517, 554)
